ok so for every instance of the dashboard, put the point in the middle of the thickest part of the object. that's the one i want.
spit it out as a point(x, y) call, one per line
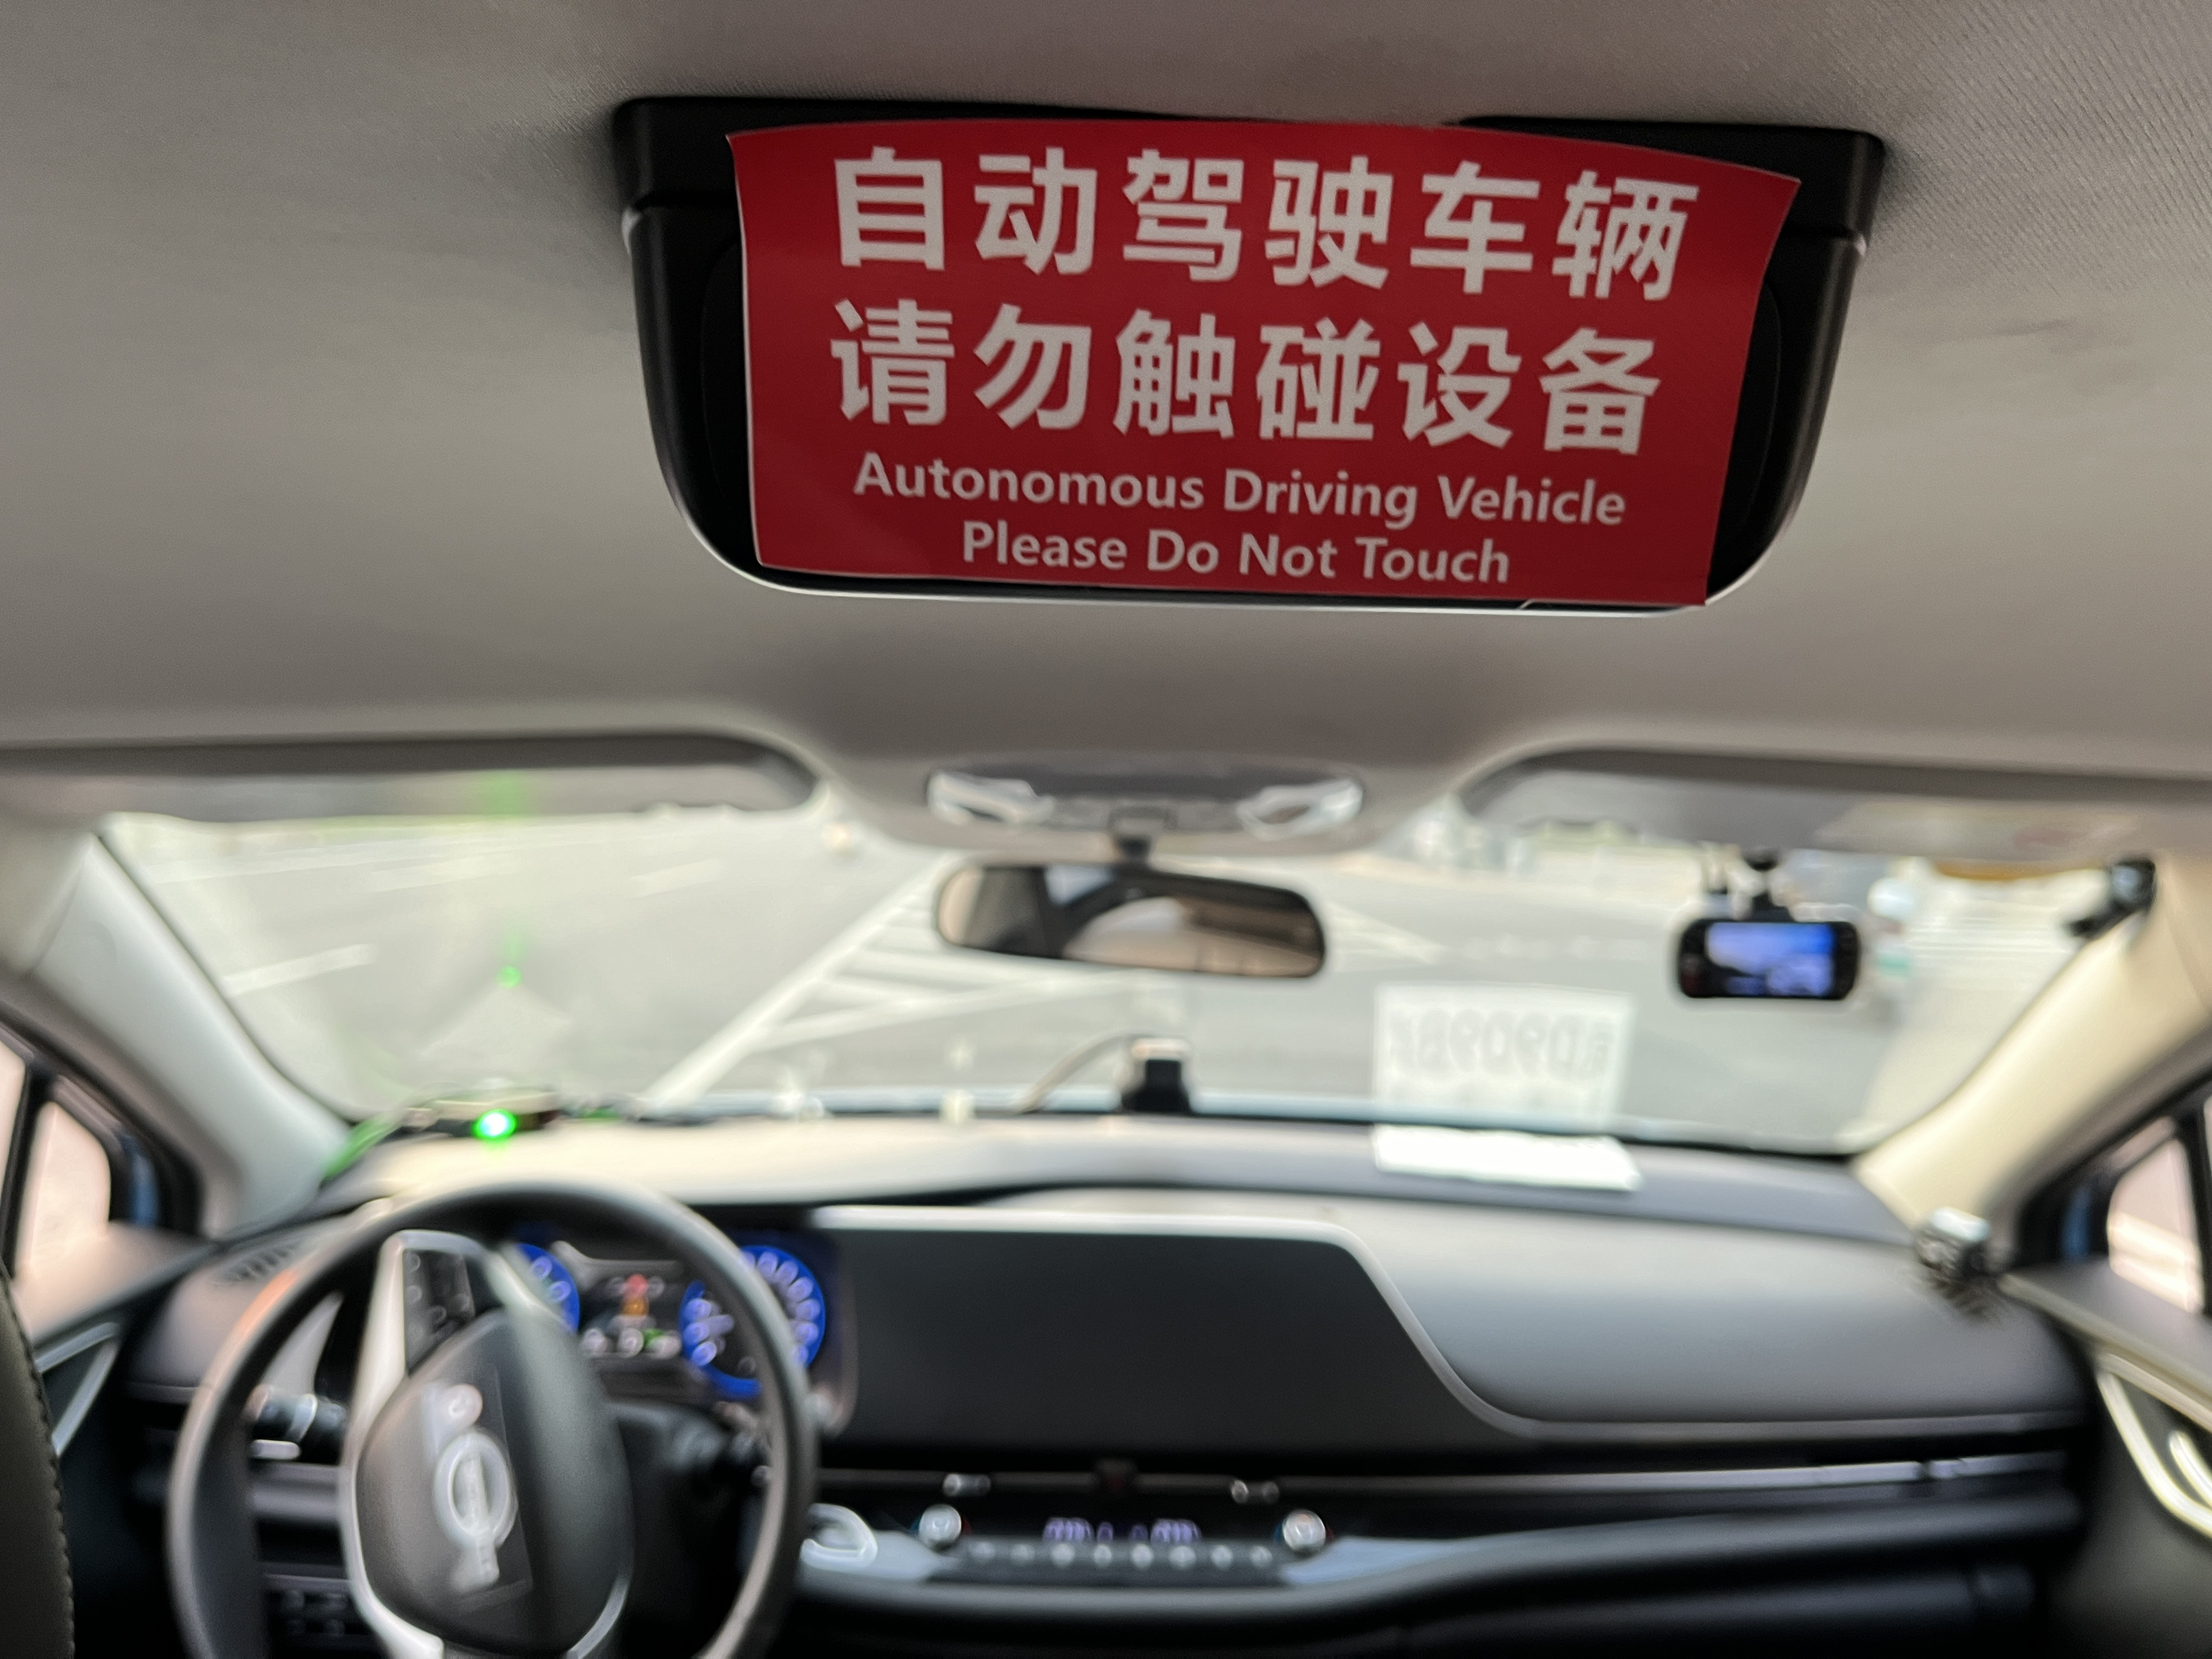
point(1241, 1375)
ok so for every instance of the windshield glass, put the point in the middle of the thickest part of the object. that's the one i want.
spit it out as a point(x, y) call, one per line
point(786, 962)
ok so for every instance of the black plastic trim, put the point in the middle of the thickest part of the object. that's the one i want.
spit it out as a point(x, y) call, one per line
point(1313, 1302)
point(680, 221)
point(1703, 1543)
point(1799, 331)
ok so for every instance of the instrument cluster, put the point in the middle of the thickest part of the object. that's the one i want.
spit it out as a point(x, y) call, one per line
point(640, 1315)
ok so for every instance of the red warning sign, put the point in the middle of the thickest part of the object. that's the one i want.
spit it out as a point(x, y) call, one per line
point(1404, 364)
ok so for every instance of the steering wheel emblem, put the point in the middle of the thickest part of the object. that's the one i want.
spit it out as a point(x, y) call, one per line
point(471, 1487)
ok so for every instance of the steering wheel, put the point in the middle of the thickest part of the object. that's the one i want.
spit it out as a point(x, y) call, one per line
point(483, 1498)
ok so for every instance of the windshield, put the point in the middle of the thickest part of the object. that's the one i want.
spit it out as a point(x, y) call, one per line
point(786, 962)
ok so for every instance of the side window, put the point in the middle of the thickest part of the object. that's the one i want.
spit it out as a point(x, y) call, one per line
point(70, 1166)
point(2150, 1228)
point(67, 1192)
point(14, 1074)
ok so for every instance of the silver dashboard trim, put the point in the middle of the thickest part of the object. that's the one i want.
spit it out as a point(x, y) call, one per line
point(382, 1369)
point(2190, 1460)
point(850, 1543)
point(2115, 1376)
point(895, 1217)
point(1628, 1482)
point(69, 1415)
point(1802, 1477)
point(1389, 1573)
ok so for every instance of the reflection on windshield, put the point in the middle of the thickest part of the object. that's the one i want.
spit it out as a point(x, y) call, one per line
point(784, 962)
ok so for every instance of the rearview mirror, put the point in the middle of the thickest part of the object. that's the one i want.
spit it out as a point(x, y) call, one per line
point(1131, 917)
point(1768, 957)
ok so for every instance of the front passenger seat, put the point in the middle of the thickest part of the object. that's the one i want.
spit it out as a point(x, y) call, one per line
point(34, 1574)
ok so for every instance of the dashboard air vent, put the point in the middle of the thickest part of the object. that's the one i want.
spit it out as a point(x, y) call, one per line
point(260, 1263)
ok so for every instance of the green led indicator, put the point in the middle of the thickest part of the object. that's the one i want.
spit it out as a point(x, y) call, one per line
point(495, 1126)
point(510, 976)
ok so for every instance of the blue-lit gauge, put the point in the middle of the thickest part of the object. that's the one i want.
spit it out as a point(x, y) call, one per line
point(707, 1327)
point(553, 1282)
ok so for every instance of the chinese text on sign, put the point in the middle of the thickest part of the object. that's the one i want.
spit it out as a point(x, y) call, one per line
point(1375, 363)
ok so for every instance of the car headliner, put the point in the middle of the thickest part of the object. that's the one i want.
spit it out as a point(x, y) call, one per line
point(320, 410)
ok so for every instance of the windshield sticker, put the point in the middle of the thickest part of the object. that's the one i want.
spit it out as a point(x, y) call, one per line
point(1392, 364)
point(1595, 1161)
point(1524, 1053)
